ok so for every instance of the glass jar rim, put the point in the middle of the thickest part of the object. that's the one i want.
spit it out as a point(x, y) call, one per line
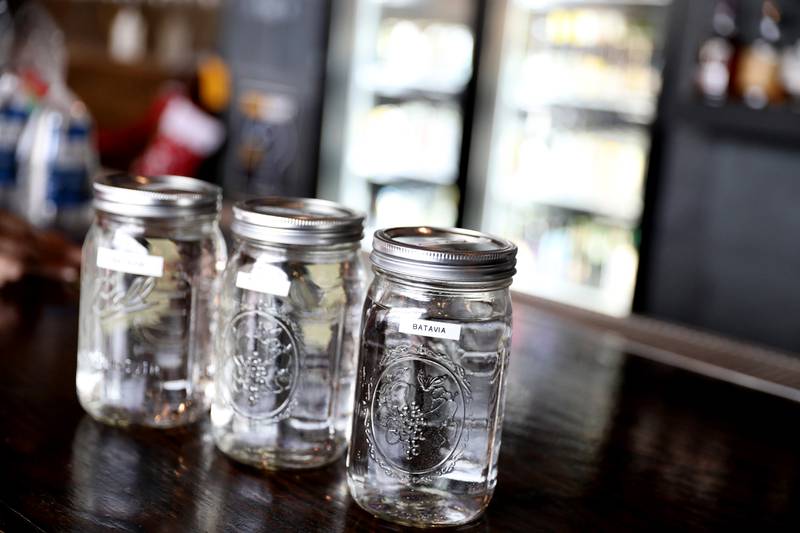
point(448, 255)
point(297, 221)
point(155, 196)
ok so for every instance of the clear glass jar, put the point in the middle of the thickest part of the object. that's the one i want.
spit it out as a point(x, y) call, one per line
point(431, 376)
point(291, 302)
point(152, 261)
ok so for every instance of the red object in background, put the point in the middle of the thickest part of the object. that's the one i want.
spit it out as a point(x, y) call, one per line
point(186, 136)
point(167, 156)
point(174, 137)
point(34, 82)
point(118, 147)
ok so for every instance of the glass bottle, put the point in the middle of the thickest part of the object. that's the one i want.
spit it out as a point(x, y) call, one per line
point(758, 72)
point(14, 112)
point(291, 301)
point(431, 375)
point(151, 267)
point(717, 54)
point(55, 162)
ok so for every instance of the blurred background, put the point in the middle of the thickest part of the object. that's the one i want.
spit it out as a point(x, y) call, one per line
point(641, 153)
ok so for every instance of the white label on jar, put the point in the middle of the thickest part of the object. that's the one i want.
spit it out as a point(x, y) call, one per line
point(130, 263)
point(264, 279)
point(428, 328)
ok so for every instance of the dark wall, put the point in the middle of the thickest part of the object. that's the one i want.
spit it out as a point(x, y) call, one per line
point(722, 210)
point(276, 49)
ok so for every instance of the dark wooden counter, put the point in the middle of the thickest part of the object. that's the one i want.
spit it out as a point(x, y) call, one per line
point(594, 439)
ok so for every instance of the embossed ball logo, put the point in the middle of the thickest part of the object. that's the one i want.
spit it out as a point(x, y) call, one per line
point(168, 325)
point(417, 415)
point(262, 367)
point(156, 310)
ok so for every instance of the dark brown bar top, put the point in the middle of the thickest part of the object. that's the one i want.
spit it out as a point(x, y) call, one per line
point(595, 438)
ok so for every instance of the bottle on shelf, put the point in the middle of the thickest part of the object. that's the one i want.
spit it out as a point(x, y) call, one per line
point(56, 160)
point(758, 72)
point(790, 64)
point(54, 154)
point(127, 38)
point(790, 71)
point(716, 58)
point(13, 109)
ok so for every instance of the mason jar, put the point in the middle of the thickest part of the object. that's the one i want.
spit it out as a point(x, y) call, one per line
point(152, 261)
point(291, 302)
point(431, 375)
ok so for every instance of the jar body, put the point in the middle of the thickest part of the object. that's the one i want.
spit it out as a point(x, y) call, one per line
point(429, 401)
point(149, 294)
point(286, 354)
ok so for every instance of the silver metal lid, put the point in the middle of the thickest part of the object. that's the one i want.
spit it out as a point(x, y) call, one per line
point(450, 255)
point(155, 196)
point(297, 221)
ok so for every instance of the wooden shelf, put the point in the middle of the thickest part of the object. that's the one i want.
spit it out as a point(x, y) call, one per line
point(615, 112)
point(778, 123)
point(544, 6)
point(372, 79)
point(405, 94)
point(456, 12)
point(605, 218)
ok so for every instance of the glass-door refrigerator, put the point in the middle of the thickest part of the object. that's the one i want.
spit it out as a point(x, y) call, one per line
point(563, 172)
point(396, 119)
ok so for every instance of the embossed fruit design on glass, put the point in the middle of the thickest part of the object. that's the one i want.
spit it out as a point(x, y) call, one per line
point(431, 375)
point(152, 262)
point(286, 350)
